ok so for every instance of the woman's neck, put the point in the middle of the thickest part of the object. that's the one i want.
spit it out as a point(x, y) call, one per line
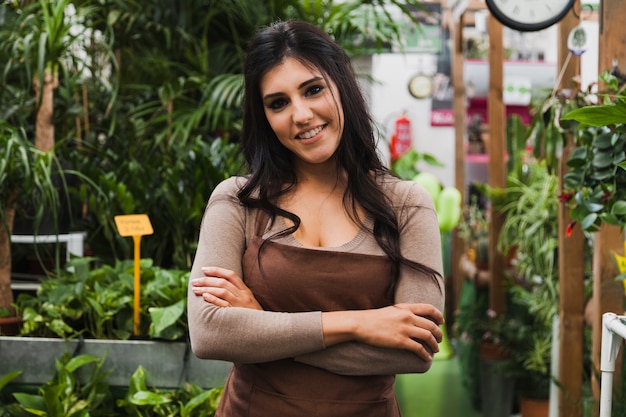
point(321, 177)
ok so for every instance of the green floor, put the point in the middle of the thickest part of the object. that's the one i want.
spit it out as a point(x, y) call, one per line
point(437, 393)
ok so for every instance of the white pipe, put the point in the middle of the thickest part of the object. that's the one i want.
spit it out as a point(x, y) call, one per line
point(554, 371)
point(612, 326)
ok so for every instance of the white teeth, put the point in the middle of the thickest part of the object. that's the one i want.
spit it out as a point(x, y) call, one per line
point(310, 133)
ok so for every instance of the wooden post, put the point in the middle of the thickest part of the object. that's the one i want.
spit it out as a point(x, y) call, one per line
point(607, 294)
point(458, 104)
point(612, 35)
point(571, 258)
point(571, 306)
point(497, 168)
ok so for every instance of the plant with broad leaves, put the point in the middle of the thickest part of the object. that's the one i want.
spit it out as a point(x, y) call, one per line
point(96, 302)
point(68, 394)
point(188, 400)
point(595, 186)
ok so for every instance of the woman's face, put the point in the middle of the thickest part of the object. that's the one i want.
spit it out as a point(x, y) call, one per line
point(303, 110)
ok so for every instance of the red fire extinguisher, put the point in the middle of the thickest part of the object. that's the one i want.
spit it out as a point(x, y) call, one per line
point(401, 139)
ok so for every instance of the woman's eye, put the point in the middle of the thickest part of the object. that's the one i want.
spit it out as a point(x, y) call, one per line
point(313, 90)
point(277, 104)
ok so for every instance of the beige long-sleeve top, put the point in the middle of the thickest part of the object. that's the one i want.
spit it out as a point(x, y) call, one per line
point(251, 336)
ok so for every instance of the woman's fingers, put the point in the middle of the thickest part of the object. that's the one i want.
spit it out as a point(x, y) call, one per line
point(413, 327)
point(224, 288)
point(428, 311)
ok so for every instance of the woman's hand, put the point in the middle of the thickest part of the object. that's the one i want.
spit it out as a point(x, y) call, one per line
point(414, 327)
point(223, 288)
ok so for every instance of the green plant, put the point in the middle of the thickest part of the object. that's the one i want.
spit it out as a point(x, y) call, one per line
point(65, 395)
point(79, 389)
point(25, 176)
point(535, 307)
point(529, 204)
point(499, 329)
point(595, 186)
point(172, 189)
point(96, 302)
point(188, 400)
point(530, 226)
point(548, 131)
point(474, 230)
point(406, 166)
point(147, 98)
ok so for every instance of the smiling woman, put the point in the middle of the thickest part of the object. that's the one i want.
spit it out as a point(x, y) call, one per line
point(319, 274)
point(301, 108)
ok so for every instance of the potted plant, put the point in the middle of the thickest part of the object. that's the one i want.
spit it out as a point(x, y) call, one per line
point(87, 308)
point(24, 176)
point(531, 229)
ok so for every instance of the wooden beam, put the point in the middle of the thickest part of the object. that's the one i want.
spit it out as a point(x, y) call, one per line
point(571, 306)
point(612, 35)
point(497, 168)
point(458, 105)
point(607, 296)
point(571, 257)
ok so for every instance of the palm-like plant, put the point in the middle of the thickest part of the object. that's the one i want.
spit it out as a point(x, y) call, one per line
point(154, 94)
point(42, 41)
point(24, 174)
point(178, 74)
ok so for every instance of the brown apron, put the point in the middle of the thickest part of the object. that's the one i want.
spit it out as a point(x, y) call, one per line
point(300, 279)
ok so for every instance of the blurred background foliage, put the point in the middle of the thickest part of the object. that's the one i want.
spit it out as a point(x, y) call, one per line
point(146, 99)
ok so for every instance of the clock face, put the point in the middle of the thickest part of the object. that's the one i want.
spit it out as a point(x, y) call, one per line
point(420, 86)
point(529, 15)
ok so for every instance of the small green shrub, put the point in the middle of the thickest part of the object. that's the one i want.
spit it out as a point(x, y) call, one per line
point(79, 389)
point(97, 302)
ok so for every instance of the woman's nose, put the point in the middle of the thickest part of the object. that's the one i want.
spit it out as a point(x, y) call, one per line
point(302, 113)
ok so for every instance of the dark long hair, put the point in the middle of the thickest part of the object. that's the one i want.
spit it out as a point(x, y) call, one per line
point(271, 172)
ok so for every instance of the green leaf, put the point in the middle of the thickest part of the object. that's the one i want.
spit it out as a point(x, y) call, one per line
point(602, 115)
point(148, 398)
point(164, 317)
point(604, 174)
point(604, 141)
point(619, 208)
point(80, 361)
point(31, 402)
point(593, 207)
point(138, 381)
point(602, 160)
point(610, 218)
point(573, 180)
point(589, 221)
point(8, 378)
point(195, 402)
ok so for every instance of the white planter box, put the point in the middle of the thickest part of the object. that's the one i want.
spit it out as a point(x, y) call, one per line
point(167, 364)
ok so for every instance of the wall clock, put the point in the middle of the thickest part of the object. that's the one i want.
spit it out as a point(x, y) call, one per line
point(421, 86)
point(529, 15)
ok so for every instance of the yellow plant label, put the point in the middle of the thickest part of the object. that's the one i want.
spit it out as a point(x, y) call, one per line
point(133, 225)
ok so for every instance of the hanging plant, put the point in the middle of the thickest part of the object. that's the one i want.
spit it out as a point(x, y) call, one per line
point(595, 186)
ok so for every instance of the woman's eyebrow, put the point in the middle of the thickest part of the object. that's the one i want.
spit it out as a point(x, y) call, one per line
point(302, 85)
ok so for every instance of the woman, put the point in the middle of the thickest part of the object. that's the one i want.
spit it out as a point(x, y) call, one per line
point(318, 274)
